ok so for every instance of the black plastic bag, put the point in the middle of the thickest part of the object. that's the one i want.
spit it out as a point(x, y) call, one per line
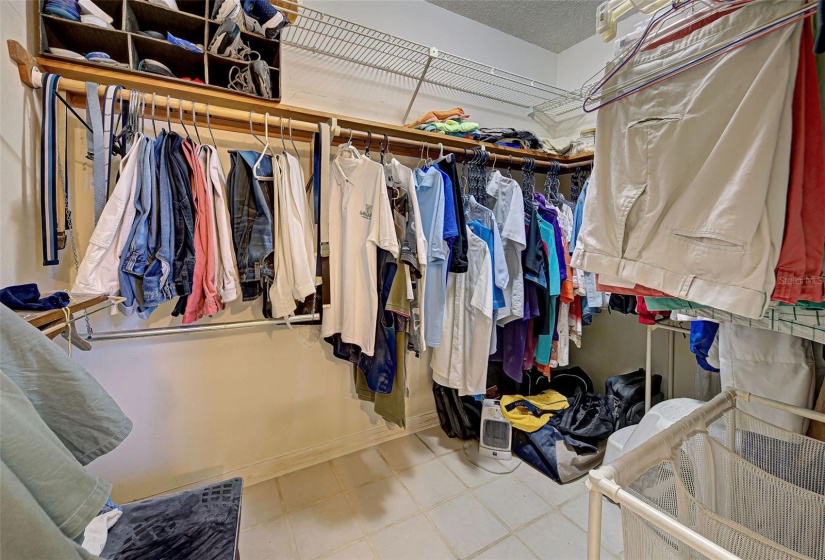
point(589, 418)
point(460, 417)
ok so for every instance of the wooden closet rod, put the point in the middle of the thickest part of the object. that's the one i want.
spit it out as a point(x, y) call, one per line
point(345, 133)
point(176, 105)
point(238, 116)
point(239, 120)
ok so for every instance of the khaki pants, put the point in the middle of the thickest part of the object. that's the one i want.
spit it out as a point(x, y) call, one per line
point(689, 188)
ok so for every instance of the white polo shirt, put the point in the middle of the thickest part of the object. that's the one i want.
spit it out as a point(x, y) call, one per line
point(509, 214)
point(360, 221)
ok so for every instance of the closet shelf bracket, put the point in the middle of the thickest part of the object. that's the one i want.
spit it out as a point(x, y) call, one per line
point(433, 53)
point(26, 64)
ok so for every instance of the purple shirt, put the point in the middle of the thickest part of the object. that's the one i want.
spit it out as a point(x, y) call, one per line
point(551, 215)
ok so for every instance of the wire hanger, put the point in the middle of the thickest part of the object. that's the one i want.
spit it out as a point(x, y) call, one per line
point(252, 130)
point(383, 148)
point(143, 112)
point(263, 153)
point(180, 117)
point(168, 123)
point(195, 122)
point(602, 96)
point(421, 161)
point(283, 139)
point(209, 126)
point(155, 130)
point(462, 179)
point(291, 141)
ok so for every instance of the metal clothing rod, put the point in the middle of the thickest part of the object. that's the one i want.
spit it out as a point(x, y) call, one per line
point(189, 329)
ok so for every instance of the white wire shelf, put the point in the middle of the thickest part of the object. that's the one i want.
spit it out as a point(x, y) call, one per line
point(563, 106)
point(325, 34)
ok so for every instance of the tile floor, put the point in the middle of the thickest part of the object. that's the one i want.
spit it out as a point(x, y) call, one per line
point(418, 498)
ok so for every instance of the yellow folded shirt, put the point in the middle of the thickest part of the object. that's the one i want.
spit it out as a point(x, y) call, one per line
point(517, 409)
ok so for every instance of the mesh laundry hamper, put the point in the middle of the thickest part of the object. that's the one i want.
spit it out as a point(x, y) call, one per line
point(718, 484)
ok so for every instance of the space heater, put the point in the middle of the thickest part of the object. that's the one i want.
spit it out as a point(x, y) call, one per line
point(496, 433)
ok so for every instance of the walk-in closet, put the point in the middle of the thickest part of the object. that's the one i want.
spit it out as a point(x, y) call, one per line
point(412, 279)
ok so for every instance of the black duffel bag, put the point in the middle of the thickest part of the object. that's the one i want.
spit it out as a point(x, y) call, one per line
point(589, 418)
point(460, 417)
point(626, 396)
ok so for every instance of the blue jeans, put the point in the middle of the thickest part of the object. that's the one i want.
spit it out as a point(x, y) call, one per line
point(250, 201)
point(157, 280)
point(183, 264)
point(379, 369)
point(135, 257)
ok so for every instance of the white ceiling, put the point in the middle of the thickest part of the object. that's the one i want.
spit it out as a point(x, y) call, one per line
point(554, 25)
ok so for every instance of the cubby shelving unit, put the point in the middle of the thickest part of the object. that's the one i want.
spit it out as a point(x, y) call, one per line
point(128, 47)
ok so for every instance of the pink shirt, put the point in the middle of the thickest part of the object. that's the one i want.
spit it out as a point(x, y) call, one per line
point(204, 299)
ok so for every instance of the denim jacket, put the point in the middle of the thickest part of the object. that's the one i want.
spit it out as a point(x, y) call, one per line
point(250, 202)
point(135, 256)
point(157, 280)
point(183, 264)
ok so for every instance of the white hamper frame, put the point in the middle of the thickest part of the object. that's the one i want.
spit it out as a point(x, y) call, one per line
point(607, 480)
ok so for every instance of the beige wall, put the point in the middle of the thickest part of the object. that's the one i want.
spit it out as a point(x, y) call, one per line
point(209, 405)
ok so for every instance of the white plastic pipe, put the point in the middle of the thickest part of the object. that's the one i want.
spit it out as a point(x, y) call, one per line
point(599, 485)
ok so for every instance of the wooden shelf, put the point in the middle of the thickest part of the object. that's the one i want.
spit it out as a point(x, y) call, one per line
point(83, 38)
point(143, 16)
point(45, 318)
point(125, 45)
point(233, 100)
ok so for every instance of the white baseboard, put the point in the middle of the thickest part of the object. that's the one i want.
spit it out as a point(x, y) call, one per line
point(278, 466)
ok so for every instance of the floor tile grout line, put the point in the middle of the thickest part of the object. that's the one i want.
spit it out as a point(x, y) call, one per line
point(349, 503)
point(425, 510)
point(504, 523)
point(436, 529)
point(573, 521)
point(437, 454)
point(393, 470)
point(292, 542)
point(383, 477)
point(342, 547)
point(395, 474)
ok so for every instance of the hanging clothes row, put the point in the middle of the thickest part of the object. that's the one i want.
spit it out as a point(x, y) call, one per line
point(418, 262)
point(175, 226)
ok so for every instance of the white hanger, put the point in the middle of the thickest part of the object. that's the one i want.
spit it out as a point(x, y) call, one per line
point(263, 153)
point(347, 147)
point(441, 156)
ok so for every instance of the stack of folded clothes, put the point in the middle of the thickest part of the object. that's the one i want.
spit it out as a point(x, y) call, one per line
point(557, 146)
point(452, 122)
point(452, 127)
point(509, 137)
